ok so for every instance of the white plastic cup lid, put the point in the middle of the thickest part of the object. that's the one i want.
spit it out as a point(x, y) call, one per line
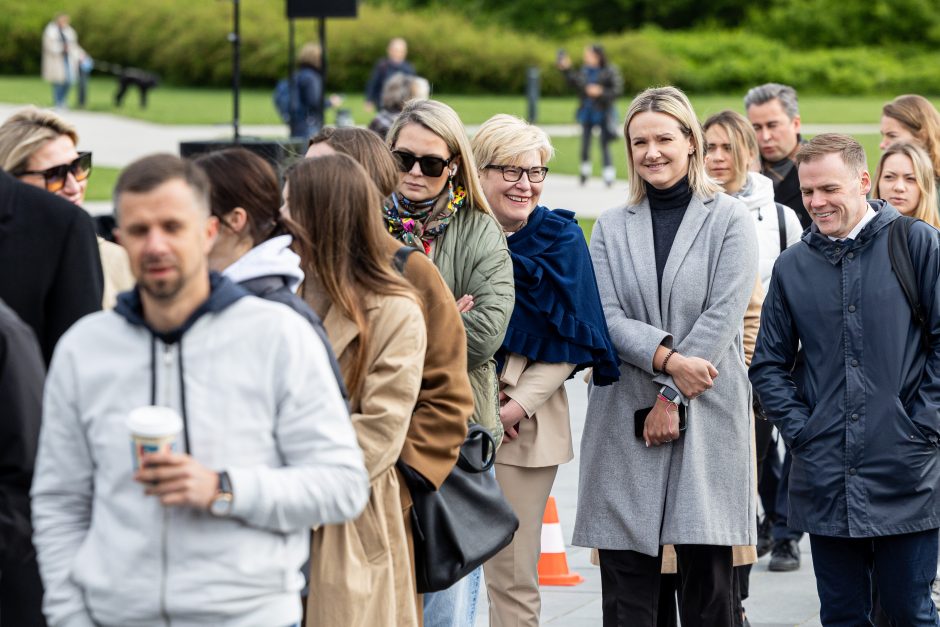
point(152, 421)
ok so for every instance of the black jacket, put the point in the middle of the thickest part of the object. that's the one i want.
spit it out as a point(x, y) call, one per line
point(21, 377)
point(864, 423)
point(51, 269)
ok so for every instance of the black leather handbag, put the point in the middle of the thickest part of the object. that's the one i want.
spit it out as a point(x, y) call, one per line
point(464, 523)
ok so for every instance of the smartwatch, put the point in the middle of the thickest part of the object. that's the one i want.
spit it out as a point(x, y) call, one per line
point(669, 394)
point(221, 505)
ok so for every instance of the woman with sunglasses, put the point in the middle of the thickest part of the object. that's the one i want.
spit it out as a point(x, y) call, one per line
point(360, 573)
point(441, 209)
point(39, 148)
point(557, 328)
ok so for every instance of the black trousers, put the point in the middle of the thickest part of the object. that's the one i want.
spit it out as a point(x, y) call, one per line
point(20, 588)
point(630, 587)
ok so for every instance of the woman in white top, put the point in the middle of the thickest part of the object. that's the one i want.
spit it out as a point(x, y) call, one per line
point(731, 148)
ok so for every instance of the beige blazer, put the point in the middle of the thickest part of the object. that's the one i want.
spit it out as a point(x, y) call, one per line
point(545, 437)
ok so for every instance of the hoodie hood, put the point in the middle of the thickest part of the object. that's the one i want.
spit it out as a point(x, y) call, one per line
point(758, 192)
point(269, 258)
point(222, 294)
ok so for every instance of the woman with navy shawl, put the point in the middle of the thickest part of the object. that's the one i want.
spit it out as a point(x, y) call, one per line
point(557, 328)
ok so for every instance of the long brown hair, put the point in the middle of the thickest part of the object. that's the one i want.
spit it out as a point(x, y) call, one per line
point(241, 178)
point(368, 149)
point(921, 118)
point(339, 208)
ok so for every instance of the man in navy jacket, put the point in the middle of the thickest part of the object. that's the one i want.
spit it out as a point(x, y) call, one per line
point(864, 422)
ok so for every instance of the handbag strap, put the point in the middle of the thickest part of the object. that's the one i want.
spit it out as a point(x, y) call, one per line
point(478, 451)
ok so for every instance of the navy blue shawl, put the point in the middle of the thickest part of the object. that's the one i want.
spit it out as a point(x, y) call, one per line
point(558, 316)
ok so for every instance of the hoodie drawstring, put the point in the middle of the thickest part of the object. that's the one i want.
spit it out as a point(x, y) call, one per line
point(153, 386)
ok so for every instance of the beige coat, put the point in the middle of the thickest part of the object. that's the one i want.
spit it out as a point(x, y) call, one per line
point(360, 572)
point(54, 54)
point(545, 436)
point(116, 268)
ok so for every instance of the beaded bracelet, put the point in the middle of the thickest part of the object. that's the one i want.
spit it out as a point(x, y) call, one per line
point(666, 360)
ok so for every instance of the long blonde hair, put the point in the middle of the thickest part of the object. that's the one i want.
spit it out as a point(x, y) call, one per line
point(674, 103)
point(926, 208)
point(443, 121)
point(340, 209)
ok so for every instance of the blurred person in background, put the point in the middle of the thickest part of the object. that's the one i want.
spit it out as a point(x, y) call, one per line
point(399, 89)
point(599, 84)
point(61, 58)
point(394, 62)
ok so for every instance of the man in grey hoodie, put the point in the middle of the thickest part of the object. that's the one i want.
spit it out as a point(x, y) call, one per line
point(214, 534)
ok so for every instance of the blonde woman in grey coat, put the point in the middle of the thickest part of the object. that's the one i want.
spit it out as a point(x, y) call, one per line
point(666, 452)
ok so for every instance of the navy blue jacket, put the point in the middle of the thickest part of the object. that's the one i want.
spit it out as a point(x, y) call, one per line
point(864, 421)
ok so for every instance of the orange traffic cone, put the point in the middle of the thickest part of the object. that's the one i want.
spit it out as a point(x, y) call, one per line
point(553, 563)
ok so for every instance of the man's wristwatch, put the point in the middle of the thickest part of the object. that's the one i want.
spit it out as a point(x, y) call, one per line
point(222, 503)
point(670, 395)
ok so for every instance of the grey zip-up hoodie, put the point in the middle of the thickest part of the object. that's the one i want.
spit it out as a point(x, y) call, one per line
point(254, 386)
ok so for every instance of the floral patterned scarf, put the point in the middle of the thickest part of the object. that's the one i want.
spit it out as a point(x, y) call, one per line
point(415, 223)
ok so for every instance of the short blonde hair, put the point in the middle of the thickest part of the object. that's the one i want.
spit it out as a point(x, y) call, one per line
point(849, 150)
point(744, 147)
point(926, 208)
point(921, 118)
point(311, 54)
point(26, 132)
point(443, 121)
point(674, 103)
point(503, 139)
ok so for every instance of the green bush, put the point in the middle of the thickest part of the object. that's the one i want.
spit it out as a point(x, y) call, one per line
point(185, 42)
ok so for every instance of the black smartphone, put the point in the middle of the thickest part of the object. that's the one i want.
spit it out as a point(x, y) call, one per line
point(639, 420)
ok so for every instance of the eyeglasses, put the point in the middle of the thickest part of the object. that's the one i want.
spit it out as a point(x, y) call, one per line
point(512, 173)
point(430, 166)
point(56, 176)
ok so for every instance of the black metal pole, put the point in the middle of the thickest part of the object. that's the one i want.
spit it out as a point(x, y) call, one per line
point(236, 69)
point(323, 67)
point(291, 78)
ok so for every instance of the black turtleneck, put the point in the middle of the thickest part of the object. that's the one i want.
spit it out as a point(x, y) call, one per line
point(667, 208)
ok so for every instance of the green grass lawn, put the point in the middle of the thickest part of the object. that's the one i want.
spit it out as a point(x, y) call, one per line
point(190, 105)
point(101, 182)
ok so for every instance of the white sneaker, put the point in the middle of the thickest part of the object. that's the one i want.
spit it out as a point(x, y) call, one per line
point(585, 171)
point(935, 591)
point(610, 174)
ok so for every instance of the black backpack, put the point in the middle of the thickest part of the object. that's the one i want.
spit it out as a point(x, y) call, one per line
point(903, 267)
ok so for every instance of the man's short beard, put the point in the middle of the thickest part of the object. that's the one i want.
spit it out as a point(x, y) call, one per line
point(163, 290)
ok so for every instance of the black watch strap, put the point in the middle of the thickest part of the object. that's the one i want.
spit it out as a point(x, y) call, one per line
point(225, 483)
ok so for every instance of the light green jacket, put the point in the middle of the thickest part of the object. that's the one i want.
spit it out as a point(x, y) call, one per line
point(473, 258)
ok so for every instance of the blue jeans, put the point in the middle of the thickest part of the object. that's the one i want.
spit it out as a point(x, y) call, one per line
point(902, 566)
point(456, 606)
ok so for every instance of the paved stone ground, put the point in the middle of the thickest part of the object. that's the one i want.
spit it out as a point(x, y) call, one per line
point(777, 599)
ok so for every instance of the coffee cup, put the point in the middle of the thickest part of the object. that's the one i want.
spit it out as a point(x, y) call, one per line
point(153, 430)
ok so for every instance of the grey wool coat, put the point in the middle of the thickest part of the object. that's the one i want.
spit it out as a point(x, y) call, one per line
point(699, 489)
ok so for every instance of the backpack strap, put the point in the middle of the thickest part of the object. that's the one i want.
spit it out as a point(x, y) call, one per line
point(401, 257)
point(782, 225)
point(903, 267)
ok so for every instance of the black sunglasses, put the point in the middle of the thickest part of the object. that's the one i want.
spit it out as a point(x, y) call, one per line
point(430, 166)
point(56, 176)
point(512, 173)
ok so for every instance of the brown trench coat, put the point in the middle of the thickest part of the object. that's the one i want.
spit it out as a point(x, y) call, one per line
point(360, 572)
